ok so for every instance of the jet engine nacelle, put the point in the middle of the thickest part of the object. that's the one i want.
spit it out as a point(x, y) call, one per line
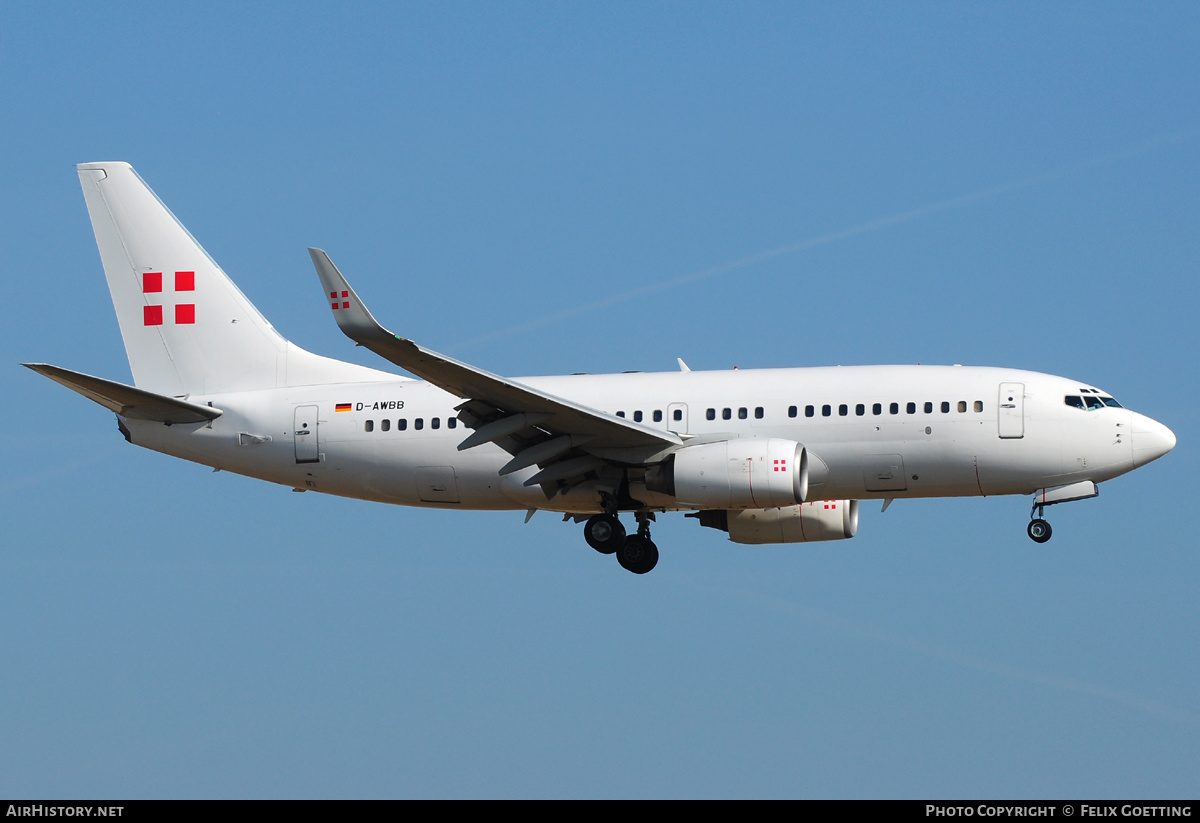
point(804, 523)
point(749, 473)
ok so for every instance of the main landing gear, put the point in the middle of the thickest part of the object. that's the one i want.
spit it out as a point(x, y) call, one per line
point(636, 553)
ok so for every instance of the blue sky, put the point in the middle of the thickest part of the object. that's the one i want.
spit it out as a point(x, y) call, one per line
point(550, 188)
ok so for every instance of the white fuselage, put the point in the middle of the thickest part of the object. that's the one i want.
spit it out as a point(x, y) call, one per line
point(871, 432)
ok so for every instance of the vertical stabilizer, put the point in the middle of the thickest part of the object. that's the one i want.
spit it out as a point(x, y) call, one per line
point(187, 328)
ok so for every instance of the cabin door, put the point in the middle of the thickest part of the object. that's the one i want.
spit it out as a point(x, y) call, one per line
point(304, 433)
point(1010, 411)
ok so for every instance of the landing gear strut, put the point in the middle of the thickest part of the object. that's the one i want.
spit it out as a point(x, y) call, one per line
point(1039, 530)
point(636, 553)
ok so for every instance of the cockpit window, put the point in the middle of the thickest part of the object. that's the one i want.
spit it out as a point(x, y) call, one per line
point(1090, 402)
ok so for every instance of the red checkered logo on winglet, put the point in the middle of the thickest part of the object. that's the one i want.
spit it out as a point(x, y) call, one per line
point(185, 313)
point(333, 296)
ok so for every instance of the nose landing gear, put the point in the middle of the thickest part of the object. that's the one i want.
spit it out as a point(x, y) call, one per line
point(1039, 530)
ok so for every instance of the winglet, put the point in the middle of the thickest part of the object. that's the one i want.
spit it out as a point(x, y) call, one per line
point(352, 316)
point(357, 323)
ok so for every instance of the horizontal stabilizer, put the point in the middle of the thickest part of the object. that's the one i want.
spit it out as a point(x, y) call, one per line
point(127, 401)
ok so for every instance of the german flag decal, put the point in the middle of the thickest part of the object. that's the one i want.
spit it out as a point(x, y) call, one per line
point(342, 407)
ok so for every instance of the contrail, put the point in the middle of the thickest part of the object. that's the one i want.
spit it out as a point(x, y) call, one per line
point(826, 239)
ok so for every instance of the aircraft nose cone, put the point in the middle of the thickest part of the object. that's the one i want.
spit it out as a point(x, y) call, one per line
point(1151, 440)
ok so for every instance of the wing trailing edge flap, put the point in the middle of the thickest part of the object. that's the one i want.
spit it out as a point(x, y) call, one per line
point(533, 426)
point(128, 401)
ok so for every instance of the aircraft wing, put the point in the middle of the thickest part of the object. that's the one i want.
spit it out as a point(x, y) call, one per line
point(127, 401)
point(536, 427)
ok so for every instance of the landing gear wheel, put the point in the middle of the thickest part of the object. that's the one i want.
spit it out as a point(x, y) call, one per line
point(604, 533)
point(1039, 530)
point(638, 555)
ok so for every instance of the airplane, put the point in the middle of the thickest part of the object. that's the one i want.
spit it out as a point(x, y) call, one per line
point(765, 455)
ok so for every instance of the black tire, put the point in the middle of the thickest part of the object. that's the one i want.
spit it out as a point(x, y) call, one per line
point(638, 555)
point(1039, 531)
point(604, 533)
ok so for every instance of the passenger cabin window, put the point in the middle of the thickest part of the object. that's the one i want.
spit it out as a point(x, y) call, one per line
point(843, 410)
point(826, 410)
point(877, 408)
point(742, 413)
point(726, 414)
point(435, 423)
point(677, 414)
point(401, 424)
point(620, 414)
point(978, 405)
point(758, 412)
point(945, 407)
point(711, 414)
point(419, 424)
point(369, 425)
point(929, 408)
point(792, 411)
point(860, 409)
point(452, 422)
point(658, 415)
point(962, 406)
point(911, 408)
point(637, 416)
point(385, 425)
point(894, 408)
point(809, 411)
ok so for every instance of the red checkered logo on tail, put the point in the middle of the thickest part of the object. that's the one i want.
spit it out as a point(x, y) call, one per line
point(185, 313)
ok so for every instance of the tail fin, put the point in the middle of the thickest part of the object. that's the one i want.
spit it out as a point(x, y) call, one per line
point(187, 328)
